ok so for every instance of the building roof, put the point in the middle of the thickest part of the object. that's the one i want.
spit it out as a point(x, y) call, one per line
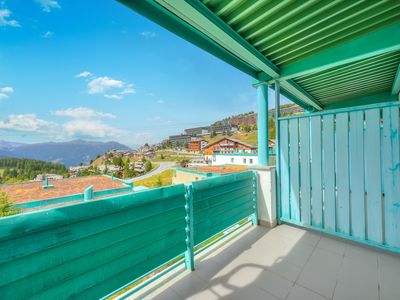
point(329, 54)
point(217, 169)
point(233, 140)
point(32, 191)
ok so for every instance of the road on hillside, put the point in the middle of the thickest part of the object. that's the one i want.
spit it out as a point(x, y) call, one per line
point(162, 166)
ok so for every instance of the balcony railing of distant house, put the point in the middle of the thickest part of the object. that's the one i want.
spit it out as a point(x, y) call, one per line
point(93, 249)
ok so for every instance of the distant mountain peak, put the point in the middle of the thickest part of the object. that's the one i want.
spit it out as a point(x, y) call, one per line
point(70, 153)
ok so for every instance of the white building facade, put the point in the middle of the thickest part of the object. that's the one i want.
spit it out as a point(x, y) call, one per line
point(241, 159)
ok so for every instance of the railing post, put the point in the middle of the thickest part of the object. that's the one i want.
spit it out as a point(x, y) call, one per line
point(254, 218)
point(277, 147)
point(189, 254)
point(88, 193)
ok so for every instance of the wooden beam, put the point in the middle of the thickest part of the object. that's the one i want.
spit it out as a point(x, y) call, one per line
point(202, 19)
point(396, 83)
point(381, 41)
point(366, 100)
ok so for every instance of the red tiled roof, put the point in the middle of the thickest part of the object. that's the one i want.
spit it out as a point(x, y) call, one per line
point(32, 191)
point(219, 169)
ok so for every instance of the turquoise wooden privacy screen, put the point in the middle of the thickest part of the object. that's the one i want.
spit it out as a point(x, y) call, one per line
point(89, 250)
point(340, 172)
point(220, 202)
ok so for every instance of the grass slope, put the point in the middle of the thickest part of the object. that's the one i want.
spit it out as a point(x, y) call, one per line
point(159, 180)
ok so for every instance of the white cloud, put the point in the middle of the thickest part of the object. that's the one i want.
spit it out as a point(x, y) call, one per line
point(82, 122)
point(82, 113)
point(129, 89)
point(113, 96)
point(86, 122)
point(109, 87)
point(90, 128)
point(7, 89)
point(160, 101)
point(27, 123)
point(48, 34)
point(148, 34)
point(84, 74)
point(5, 19)
point(48, 5)
point(100, 85)
point(156, 118)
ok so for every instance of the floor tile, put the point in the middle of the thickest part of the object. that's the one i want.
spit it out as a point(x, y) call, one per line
point(320, 272)
point(299, 253)
point(331, 244)
point(286, 269)
point(389, 276)
point(253, 293)
point(204, 295)
point(207, 269)
point(301, 293)
point(356, 289)
point(189, 285)
point(356, 271)
point(360, 252)
point(167, 294)
point(274, 284)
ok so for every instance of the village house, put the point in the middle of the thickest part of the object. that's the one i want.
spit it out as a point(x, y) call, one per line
point(197, 145)
point(179, 140)
point(198, 131)
point(41, 177)
point(229, 145)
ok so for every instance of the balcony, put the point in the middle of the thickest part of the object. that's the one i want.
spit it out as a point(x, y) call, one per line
point(284, 263)
point(185, 242)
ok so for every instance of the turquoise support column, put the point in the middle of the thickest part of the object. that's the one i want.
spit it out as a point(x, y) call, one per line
point(262, 123)
point(189, 254)
point(277, 146)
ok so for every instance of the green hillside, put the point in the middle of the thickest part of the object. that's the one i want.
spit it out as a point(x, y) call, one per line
point(14, 170)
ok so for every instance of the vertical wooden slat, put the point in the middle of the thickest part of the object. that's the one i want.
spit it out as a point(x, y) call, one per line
point(305, 180)
point(391, 174)
point(328, 169)
point(294, 169)
point(373, 175)
point(316, 172)
point(284, 165)
point(342, 172)
point(356, 156)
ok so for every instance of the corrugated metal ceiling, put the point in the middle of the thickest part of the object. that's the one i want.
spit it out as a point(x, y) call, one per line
point(288, 31)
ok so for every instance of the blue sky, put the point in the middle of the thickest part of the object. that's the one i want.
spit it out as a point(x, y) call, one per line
point(99, 71)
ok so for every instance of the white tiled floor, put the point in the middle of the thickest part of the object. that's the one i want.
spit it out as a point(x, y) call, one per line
point(286, 263)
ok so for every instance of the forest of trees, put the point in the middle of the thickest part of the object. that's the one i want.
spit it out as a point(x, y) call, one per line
point(21, 169)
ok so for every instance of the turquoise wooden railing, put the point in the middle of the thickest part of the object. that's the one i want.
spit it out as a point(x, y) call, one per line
point(90, 250)
point(340, 173)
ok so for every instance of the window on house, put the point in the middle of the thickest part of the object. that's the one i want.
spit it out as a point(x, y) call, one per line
point(244, 160)
point(232, 159)
point(251, 161)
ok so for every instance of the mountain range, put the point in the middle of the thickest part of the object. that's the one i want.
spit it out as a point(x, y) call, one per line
point(69, 153)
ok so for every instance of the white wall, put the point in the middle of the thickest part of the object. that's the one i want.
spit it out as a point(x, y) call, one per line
point(266, 196)
point(234, 159)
